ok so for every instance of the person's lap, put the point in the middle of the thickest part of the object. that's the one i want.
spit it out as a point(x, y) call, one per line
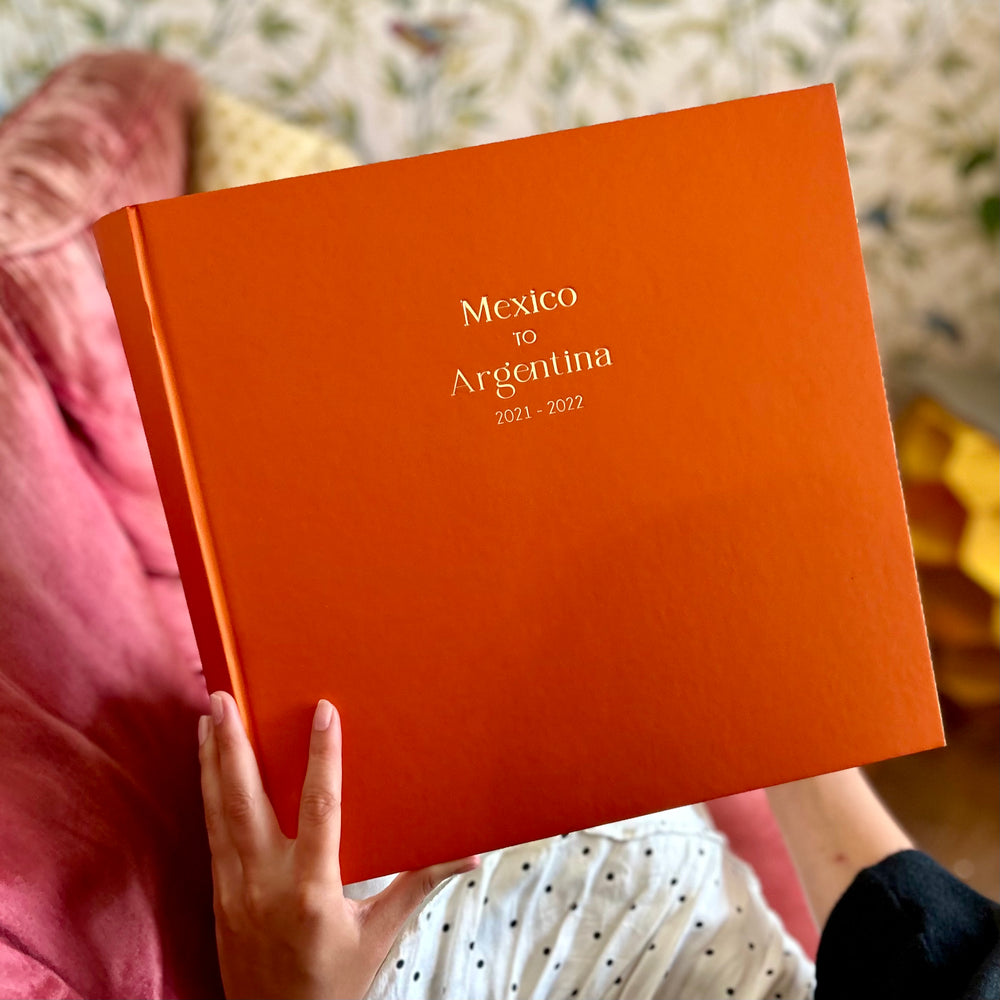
point(656, 907)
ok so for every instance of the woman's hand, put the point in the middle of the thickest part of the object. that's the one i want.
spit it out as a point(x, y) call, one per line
point(282, 923)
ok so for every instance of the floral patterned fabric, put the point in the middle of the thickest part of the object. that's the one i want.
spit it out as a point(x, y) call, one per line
point(917, 82)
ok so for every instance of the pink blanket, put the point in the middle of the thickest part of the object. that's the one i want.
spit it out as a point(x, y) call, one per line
point(106, 882)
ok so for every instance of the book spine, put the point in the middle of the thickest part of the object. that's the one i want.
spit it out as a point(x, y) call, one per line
point(122, 248)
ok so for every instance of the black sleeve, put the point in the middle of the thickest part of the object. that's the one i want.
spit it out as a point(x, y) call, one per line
point(907, 929)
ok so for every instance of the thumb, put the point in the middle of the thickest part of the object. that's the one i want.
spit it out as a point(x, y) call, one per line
point(391, 908)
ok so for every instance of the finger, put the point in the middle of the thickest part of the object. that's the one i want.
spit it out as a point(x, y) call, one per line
point(246, 808)
point(391, 908)
point(317, 846)
point(225, 860)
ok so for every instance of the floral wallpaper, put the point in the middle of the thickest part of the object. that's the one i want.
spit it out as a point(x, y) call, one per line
point(918, 83)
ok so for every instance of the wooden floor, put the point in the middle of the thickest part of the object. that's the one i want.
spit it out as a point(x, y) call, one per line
point(949, 800)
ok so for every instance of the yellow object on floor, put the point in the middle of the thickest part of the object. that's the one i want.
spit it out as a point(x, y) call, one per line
point(951, 481)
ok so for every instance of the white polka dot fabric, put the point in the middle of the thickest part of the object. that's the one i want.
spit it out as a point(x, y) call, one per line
point(655, 907)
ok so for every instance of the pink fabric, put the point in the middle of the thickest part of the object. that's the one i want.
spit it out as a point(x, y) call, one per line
point(105, 886)
point(754, 835)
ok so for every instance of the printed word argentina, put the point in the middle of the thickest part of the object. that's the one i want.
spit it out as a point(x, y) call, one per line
point(503, 379)
point(518, 305)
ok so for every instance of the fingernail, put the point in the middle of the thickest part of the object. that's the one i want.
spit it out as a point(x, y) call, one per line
point(323, 716)
point(218, 708)
point(203, 724)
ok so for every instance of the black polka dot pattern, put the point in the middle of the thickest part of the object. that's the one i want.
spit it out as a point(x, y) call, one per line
point(549, 897)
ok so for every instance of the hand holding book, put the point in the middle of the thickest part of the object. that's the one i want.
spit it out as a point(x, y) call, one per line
point(283, 925)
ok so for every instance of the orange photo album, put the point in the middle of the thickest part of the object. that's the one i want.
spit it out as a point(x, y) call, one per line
point(562, 466)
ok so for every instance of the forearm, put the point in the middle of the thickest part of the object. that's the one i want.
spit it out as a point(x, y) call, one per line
point(834, 826)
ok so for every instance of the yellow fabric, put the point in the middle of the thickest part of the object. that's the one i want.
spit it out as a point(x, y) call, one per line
point(972, 469)
point(977, 553)
point(951, 479)
point(234, 142)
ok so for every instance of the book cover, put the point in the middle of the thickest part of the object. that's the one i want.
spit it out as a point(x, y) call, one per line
point(561, 465)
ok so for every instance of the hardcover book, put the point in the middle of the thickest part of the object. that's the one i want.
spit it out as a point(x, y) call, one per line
point(562, 466)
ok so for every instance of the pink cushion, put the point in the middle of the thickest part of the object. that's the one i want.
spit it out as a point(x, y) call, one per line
point(106, 881)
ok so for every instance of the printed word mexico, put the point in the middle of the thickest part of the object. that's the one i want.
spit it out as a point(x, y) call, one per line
point(503, 379)
point(518, 305)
